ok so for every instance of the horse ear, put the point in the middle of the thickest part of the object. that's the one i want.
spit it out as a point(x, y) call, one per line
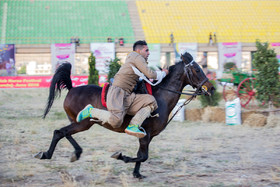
point(182, 57)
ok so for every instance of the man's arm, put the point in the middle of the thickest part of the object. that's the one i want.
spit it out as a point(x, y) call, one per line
point(142, 66)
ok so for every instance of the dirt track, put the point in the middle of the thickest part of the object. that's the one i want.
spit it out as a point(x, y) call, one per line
point(184, 154)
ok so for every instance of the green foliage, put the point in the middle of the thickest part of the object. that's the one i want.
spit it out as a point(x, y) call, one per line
point(229, 66)
point(212, 100)
point(113, 68)
point(267, 76)
point(22, 70)
point(93, 73)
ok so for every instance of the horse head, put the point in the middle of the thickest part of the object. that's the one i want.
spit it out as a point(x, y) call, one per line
point(194, 75)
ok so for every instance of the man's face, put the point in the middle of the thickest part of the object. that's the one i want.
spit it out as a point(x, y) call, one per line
point(144, 52)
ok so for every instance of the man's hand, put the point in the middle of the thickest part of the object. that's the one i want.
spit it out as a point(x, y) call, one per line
point(166, 71)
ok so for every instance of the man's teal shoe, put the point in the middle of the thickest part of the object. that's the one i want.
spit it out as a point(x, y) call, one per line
point(85, 113)
point(135, 131)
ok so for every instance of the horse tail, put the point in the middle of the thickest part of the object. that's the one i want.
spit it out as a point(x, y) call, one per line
point(60, 80)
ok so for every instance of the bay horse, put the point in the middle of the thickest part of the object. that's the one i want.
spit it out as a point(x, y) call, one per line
point(167, 94)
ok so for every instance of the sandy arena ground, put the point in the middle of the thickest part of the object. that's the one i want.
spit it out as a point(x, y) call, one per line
point(194, 154)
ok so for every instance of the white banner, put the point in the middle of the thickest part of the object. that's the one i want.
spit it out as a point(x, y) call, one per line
point(230, 52)
point(188, 47)
point(154, 57)
point(61, 53)
point(103, 52)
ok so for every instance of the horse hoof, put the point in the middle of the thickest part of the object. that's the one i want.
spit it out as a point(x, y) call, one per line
point(39, 155)
point(116, 155)
point(73, 157)
point(138, 176)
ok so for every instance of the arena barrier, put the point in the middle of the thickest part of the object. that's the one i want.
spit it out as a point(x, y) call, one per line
point(37, 81)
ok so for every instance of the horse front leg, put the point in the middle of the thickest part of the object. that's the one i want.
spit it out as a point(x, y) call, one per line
point(66, 132)
point(136, 171)
point(142, 156)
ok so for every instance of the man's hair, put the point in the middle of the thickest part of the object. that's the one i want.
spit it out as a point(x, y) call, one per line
point(139, 44)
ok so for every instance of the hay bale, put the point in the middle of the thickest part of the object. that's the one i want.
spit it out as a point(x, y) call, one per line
point(230, 95)
point(208, 114)
point(213, 114)
point(245, 114)
point(255, 120)
point(219, 115)
point(273, 121)
point(193, 114)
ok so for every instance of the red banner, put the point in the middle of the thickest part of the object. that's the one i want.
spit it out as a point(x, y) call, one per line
point(37, 81)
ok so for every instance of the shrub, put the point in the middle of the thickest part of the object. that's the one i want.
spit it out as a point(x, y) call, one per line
point(229, 66)
point(212, 100)
point(113, 68)
point(267, 75)
point(93, 73)
point(22, 70)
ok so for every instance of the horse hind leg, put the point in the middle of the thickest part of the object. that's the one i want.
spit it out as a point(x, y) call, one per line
point(66, 132)
point(57, 135)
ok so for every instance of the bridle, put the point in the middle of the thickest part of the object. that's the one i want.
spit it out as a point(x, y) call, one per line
point(193, 95)
point(190, 77)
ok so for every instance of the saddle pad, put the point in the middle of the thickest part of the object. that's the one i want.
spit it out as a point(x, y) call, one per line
point(104, 94)
point(149, 88)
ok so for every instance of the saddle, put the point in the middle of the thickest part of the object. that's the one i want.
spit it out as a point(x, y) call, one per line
point(141, 87)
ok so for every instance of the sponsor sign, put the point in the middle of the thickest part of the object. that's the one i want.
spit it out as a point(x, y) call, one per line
point(102, 79)
point(229, 52)
point(7, 60)
point(61, 53)
point(188, 47)
point(154, 57)
point(103, 52)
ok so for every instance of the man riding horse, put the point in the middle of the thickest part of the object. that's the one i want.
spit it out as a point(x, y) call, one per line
point(120, 98)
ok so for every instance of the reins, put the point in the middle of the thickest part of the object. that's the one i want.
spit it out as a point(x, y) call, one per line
point(181, 93)
point(184, 104)
point(197, 92)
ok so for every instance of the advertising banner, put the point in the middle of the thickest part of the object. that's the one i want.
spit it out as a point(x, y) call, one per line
point(37, 81)
point(7, 60)
point(230, 52)
point(64, 52)
point(276, 47)
point(278, 58)
point(154, 57)
point(102, 79)
point(188, 47)
point(103, 52)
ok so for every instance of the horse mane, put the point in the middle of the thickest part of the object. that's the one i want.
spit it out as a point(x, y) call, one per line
point(177, 68)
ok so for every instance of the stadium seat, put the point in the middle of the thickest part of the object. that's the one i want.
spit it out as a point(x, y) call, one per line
point(44, 22)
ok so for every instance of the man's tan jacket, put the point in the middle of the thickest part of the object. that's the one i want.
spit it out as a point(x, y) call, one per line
point(126, 77)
